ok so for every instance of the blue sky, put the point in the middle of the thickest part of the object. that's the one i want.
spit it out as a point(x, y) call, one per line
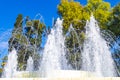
point(9, 9)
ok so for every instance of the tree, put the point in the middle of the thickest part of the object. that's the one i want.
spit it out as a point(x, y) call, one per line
point(114, 24)
point(74, 13)
point(71, 12)
point(26, 39)
point(101, 11)
point(16, 33)
point(33, 31)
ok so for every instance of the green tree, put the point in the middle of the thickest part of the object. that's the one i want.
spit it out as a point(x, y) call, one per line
point(73, 13)
point(26, 39)
point(114, 26)
point(16, 33)
point(114, 23)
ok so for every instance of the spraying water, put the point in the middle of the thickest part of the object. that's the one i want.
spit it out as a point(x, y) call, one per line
point(29, 64)
point(96, 55)
point(54, 51)
point(11, 67)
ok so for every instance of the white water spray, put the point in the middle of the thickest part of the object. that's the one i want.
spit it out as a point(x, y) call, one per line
point(96, 55)
point(11, 67)
point(54, 51)
point(29, 64)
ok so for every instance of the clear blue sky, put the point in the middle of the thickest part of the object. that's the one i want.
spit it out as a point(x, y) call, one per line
point(9, 9)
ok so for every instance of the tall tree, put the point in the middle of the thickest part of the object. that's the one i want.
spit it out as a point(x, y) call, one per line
point(114, 23)
point(16, 33)
point(26, 39)
point(71, 12)
point(101, 11)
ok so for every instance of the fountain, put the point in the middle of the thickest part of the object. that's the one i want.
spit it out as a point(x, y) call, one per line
point(29, 64)
point(96, 56)
point(54, 51)
point(10, 68)
point(29, 73)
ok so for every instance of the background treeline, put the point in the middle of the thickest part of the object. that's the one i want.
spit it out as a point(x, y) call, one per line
point(27, 35)
point(76, 14)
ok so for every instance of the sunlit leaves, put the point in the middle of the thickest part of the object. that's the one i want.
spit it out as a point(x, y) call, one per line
point(71, 12)
point(101, 11)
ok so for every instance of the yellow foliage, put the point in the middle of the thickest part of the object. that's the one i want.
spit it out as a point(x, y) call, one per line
point(3, 63)
point(71, 12)
point(29, 23)
point(1, 70)
point(101, 11)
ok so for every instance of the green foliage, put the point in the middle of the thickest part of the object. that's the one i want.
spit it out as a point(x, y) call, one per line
point(74, 13)
point(26, 40)
point(29, 23)
point(18, 21)
point(74, 60)
point(1, 70)
point(16, 33)
point(114, 24)
point(4, 60)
